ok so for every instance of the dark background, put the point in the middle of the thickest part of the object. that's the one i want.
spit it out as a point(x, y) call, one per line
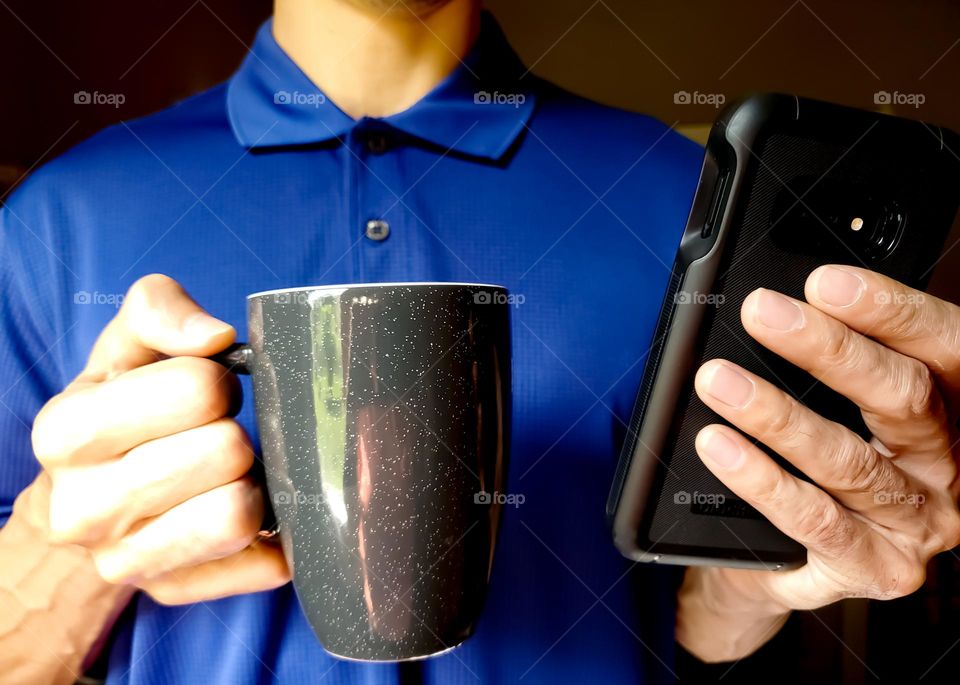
point(630, 53)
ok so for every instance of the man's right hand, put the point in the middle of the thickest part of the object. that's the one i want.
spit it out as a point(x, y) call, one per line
point(147, 468)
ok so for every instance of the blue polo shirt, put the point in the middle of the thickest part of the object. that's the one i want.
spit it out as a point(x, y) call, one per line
point(495, 176)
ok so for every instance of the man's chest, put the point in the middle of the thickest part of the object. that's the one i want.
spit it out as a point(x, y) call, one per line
point(585, 276)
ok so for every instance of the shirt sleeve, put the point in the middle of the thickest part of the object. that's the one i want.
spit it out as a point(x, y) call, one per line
point(29, 368)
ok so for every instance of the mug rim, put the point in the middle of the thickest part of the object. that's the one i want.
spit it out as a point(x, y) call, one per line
point(347, 286)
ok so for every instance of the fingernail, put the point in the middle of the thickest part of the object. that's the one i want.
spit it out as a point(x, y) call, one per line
point(721, 450)
point(201, 325)
point(778, 312)
point(730, 386)
point(839, 287)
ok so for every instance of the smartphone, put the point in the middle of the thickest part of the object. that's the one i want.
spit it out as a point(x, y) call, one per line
point(787, 184)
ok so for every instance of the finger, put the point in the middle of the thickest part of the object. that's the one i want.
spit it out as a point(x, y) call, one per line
point(901, 404)
point(253, 569)
point(104, 420)
point(104, 501)
point(907, 320)
point(157, 317)
point(837, 459)
point(847, 558)
point(797, 508)
point(210, 526)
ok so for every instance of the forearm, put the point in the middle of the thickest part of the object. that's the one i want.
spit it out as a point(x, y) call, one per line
point(717, 621)
point(54, 606)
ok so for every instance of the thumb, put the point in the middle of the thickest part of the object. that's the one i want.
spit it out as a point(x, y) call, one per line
point(158, 319)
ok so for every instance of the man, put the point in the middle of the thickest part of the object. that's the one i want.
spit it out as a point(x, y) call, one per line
point(364, 141)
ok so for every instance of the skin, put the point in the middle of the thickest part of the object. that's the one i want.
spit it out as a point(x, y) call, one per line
point(879, 510)
point(376, 57)
point(143, 486)
point(164, 506)
point(144, 482)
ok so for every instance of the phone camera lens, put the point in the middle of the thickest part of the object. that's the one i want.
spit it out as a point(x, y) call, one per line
point(837, 220)
point(889, 230)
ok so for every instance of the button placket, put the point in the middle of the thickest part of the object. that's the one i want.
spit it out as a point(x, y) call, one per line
point(378, 210)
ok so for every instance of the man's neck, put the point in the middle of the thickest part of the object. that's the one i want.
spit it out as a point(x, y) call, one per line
point(371, 63)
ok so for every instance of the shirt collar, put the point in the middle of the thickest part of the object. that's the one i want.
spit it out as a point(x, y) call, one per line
point(479, 109)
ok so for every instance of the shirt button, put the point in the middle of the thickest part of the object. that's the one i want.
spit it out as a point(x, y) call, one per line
point(377, 229)
point(377, 143)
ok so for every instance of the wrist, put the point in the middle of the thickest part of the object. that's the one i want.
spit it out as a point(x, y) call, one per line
point(724, 616)
point(51, 589)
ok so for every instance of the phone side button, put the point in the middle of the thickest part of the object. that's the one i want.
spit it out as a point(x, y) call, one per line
point(716, 204)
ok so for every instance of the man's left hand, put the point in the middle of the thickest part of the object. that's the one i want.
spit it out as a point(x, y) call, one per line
point(877, 511)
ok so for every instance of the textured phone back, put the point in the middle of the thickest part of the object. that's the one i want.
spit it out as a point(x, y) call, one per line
point(775, 243)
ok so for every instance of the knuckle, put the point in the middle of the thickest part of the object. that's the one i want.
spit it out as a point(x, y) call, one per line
point(204, 384)
point(852, 466)
point(142, 294)
point(782, 420)
point(70, 519)
point(772, 488)
point(48, 444)
point(240, 521)
point(61, 531)
point(112, 574)
point(65, 529)
point(53, 435)
point(112, 570)
point(901, 320)
point(840, 349)
point(824, 524)
point(146, 303)
point(230, 447)
point(920, 397)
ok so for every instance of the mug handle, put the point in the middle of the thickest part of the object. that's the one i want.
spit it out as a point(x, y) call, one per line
point(238, 358)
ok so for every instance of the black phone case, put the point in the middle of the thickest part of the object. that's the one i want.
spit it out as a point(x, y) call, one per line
point(752, 225)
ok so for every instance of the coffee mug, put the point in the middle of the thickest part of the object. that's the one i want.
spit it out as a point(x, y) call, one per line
point(384, 419)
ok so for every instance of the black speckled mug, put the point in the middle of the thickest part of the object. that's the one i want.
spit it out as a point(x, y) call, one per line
point(384, 418)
